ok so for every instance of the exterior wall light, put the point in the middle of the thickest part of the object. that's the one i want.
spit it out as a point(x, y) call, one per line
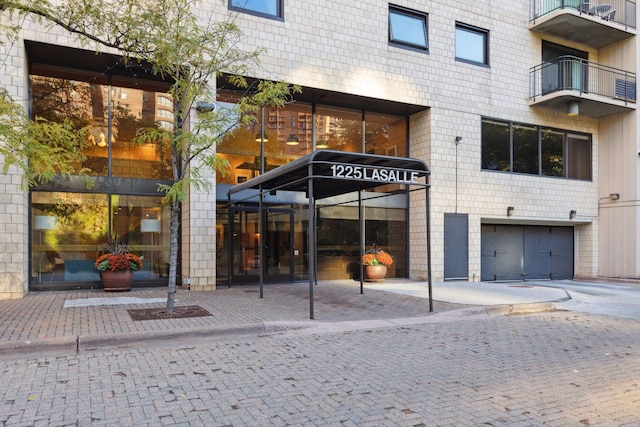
point(573, 109)
point(614, 196)
point(510, 211)
point(572, 214)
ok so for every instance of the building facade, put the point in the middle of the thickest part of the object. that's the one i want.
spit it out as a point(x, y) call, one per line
point(525, 113)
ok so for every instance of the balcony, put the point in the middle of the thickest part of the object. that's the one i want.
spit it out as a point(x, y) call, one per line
point(599, 90)
point(594, 23)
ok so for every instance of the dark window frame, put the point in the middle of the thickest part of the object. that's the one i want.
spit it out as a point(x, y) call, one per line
point(479, 31)
point(279, 16)
point(422, 16)
point(569, 166)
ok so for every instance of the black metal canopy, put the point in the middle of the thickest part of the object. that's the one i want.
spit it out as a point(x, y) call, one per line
point(338, 172)
point(327, 173)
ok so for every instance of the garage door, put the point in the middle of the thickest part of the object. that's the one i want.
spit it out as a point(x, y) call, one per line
point(511, 252)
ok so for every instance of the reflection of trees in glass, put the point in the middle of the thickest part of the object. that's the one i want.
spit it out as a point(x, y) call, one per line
point(552, 153)
point(496, 153)
point(345, 134)
point(56, 99)
point(82, 219)
point(525, 149)
point(377, 138)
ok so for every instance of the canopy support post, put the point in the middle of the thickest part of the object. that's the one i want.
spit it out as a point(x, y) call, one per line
point(229, 241)
point(429, 249)
point(261, 264)
point(362, 239)
point(312, 241)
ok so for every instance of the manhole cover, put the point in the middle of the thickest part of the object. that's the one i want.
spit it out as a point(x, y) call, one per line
point(520, 286)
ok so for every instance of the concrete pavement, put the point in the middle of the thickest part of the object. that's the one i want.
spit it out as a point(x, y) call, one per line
point(74, 321)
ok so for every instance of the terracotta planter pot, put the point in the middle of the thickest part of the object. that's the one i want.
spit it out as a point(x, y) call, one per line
point(375, 273)
point(117, 281)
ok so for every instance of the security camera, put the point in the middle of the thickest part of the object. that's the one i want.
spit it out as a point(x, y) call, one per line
point(205, 106)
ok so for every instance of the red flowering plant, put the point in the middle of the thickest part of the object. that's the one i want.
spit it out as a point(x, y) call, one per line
point(376, 256)
point(116, 257)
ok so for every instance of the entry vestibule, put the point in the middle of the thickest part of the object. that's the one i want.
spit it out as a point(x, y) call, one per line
point(327, 173)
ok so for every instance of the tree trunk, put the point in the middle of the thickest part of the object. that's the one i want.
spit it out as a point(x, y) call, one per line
point(173, 256)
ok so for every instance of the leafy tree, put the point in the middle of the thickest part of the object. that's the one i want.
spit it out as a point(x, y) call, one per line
point(178, 46)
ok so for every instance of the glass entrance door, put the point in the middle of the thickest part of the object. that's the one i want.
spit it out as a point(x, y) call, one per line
point(245, 246)
point(278, 245)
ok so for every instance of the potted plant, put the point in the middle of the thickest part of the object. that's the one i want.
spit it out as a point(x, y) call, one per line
point(116, 266)
point(375, 263)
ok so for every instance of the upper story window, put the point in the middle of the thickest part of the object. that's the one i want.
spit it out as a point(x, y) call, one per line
point(472, 44)
point(267, 8)
point(408, 28)
point(535, 150)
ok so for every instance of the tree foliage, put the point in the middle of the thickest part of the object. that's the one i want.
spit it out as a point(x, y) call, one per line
point(40, 148)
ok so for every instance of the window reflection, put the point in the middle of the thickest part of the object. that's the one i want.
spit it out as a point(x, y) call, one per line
point(69, 230)
point(288, 135)
point(548, 152)
point(90, 106)
point(340, 129)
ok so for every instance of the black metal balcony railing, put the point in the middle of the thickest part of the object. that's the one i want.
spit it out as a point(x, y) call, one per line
point(620, 11)
point(575, 74)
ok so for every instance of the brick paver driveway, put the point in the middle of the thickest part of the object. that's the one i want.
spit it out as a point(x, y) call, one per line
point(553, 369)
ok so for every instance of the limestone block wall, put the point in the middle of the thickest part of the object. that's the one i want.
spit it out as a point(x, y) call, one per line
point(198, 237)
point(14, 202)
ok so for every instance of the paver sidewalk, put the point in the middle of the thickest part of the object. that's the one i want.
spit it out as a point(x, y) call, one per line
point(43, 315)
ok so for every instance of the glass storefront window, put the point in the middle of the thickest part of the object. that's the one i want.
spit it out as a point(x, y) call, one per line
point(385, 135)
point(91, 105)
point(339, 129)
point(69, 230)
point(288, 135)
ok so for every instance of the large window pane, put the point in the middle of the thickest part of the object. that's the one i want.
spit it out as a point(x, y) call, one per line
point(142, 223)
point(552, 153)
point(56, 99)
point(69, 230)
point(525, 149)
point(496, 152)
point(287, 136)
point(339, 239)
point(578, 156)
point(289, 131)
point(133, 109)
point(385, 135)
point(339, 129)
point(90, 106)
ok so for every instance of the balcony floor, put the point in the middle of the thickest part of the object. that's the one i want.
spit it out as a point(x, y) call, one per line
point(585, 29)
point(590, 105)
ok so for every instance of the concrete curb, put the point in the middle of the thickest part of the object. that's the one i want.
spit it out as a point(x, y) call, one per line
point(74, 345)
point(63, 346)
point(513, 309)
point(113, 341)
